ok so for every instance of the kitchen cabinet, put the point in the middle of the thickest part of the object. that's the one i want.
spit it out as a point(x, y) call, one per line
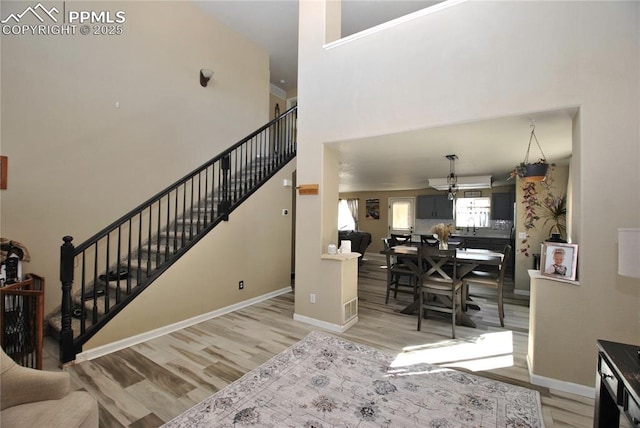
point(502, 206)
point(434, 207)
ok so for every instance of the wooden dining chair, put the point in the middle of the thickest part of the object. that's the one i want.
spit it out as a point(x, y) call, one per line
point(440, 288)
point(428, 240)
point(396, 272)
point(492, 279)
point(399, 239)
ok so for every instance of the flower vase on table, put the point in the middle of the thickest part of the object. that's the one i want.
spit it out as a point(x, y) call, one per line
point(442, 232)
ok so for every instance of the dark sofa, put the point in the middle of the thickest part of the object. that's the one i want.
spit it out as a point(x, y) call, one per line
point(359, 241)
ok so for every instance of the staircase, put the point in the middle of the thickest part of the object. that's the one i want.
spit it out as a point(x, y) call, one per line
point(104, 274)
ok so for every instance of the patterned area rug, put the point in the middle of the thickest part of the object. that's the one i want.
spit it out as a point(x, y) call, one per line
point(325, 381)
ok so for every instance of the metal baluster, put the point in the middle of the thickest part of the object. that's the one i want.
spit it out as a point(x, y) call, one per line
point(118, 255)
point(83, 285)
point(184, 209)
point(199, 199)
point(106, 282)
point(129, 259)
point(191, 211)
point(149, 239)
point(140, 247)
point(207, 217)
point(94, 314)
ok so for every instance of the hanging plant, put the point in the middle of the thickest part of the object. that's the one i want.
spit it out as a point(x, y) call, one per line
point(552, 208)
point(531, 172)
point(530, 202)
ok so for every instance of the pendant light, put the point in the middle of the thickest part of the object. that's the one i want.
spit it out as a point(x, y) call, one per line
point(452, 179)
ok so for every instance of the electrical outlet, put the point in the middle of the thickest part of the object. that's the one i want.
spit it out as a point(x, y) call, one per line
point(312, 298)
point(241, 285)
point(285, 212)
point(522, 235)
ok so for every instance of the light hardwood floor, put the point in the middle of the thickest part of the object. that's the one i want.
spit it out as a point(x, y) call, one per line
point(150, 383)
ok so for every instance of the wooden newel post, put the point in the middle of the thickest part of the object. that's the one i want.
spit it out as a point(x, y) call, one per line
point(67, 351)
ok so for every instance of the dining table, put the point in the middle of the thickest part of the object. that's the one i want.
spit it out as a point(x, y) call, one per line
point(468, 259)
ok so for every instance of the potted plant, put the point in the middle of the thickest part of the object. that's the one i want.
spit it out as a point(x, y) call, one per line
point(531, 171)
point(548, 206)
point(555, 212)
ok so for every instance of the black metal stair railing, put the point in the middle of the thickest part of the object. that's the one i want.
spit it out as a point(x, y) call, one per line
point(103, 274)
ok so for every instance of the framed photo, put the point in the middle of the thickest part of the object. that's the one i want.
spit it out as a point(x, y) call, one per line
point(559, 260)
point(373, 209)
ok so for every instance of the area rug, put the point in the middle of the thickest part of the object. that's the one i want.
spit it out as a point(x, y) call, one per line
point(326, 381)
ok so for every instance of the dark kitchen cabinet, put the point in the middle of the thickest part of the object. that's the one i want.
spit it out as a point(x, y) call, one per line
point(502, 206)
point(434, 207)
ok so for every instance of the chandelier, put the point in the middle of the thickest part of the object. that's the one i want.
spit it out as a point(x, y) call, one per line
point(452, 179)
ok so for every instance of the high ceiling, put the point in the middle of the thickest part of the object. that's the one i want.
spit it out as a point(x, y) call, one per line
point(273, 25)
point(406, 160)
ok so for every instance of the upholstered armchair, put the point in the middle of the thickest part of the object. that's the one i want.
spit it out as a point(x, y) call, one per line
point(36, 398)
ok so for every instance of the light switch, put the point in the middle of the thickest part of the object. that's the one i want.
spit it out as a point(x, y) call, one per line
point(522, 235)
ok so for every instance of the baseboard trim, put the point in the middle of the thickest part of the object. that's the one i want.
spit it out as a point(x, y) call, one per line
point(560, 385)
point(143, 337)
point(336, 328)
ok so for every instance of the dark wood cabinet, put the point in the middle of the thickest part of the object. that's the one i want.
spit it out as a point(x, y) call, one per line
point(502, 206)
point(617, 384)
point(434, 207)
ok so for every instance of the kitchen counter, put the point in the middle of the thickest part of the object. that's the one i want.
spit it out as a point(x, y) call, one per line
point(480, 234)
point(490, 233)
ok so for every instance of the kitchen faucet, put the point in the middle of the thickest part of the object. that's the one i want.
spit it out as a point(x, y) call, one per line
point(473, 222)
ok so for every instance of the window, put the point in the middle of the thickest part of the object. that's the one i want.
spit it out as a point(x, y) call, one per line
point(473, 212)
point(348, 214)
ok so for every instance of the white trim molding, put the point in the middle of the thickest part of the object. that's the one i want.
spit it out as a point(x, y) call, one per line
point(560, 385)
point(278, 92)
point(143, 337)
point(326, 325)
point(389, 24)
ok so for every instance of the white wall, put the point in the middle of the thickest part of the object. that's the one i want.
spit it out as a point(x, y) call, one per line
point(481, 60)
point(76, 161)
